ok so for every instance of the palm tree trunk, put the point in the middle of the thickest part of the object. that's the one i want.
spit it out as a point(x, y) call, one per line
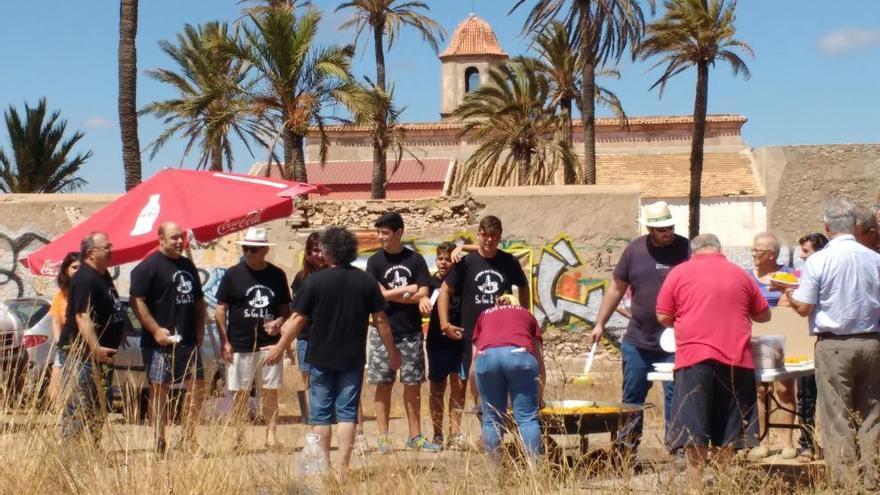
point(299, 159)
point(287, 140)
point(588, 101)
point(699, 134)
point(127, 103)
point(377, 185)
point(217, 158)
point(569, 173)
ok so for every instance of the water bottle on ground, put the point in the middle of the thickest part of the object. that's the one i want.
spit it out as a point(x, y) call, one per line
point(312, 463)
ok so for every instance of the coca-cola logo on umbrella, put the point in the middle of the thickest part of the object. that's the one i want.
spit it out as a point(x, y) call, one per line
point(240, 223)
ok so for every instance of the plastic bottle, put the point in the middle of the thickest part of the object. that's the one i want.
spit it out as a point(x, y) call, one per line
point(312, 463)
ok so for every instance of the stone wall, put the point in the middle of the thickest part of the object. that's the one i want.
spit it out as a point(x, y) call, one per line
point(798, 179)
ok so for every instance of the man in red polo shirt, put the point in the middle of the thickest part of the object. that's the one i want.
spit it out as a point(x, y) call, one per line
point(711, 302)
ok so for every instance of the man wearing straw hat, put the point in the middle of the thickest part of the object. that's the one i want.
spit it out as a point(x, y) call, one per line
point(642, 268)
point(255, 293)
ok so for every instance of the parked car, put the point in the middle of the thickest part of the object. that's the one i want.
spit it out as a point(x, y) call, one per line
point(37, 335)
point(130, 387)
point(13, 358)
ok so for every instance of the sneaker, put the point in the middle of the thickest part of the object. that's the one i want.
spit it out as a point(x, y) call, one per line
point(384, 445)
point(438, 439)
point(459, 442)
point(419, 442)
point(758, 453)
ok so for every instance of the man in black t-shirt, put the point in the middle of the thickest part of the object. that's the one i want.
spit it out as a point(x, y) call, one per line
point(337, 302)
point(166, 297)
point(403, 279)
point(256, 295)
point(642, 267)
point(479, 279)
point(92, 331)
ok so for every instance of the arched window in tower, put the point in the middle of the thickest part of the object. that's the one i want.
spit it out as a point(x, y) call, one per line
point(471, 79)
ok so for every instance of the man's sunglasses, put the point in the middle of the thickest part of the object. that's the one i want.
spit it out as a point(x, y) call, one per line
point(252, 249)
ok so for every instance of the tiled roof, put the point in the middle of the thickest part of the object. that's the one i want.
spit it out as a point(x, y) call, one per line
point(600, 122)
point(430, 171)
point(667, 176)
point(473, 36)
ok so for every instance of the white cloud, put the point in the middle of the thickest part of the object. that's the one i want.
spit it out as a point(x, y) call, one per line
point(99, 122)
point(847, 40)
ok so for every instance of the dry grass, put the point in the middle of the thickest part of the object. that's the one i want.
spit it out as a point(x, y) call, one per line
point(34, 460)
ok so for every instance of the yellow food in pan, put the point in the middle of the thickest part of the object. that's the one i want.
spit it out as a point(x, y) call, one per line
point(796, 359)
point(785, 277)
point(581, 410)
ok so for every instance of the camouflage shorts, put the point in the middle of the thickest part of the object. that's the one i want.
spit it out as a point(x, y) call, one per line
point(412, 353)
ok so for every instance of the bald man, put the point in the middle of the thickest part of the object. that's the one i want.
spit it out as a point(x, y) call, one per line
point(166, 296)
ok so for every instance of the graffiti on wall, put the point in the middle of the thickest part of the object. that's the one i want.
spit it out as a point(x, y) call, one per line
point(14, 277)
point(564, 292)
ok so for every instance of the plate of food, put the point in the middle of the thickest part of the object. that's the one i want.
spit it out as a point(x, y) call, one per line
point(664, 367)
point(784, 279)
point(798, 362)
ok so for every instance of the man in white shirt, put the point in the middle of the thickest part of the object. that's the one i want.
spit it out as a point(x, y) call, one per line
point(840, 294)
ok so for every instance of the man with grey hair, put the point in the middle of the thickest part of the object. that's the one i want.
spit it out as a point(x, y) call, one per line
point(711, 302)
point(840, 294)
point(866, 231)
point(89, 338)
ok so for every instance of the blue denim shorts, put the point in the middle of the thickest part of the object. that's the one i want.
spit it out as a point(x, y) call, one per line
point(173, 364)
point(334, 396)
point(301, 347)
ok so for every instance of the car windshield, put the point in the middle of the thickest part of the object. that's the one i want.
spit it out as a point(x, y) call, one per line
point(29, 312)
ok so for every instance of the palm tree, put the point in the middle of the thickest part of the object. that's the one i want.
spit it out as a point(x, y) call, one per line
point(385, 18)
point(601, 30)
point(515, 121)
point(128, 125)
point(559, 62)
point(213, 96)
point(302, 79)
point(40, 154)
point(390, 136)
point(695, 33)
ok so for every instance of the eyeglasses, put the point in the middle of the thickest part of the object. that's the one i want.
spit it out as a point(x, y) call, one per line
point(663, 229)
point(762, 251)
point(106, 249)
point(251, 249)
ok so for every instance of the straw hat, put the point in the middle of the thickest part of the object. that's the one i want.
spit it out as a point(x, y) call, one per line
point(658, 215)
point(255, 236)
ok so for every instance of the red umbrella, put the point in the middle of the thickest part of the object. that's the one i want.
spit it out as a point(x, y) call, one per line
point(210, 204)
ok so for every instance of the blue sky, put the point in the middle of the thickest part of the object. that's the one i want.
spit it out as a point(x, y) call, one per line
point(814, 79)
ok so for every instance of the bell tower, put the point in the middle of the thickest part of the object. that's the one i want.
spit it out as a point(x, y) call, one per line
point(465, 64)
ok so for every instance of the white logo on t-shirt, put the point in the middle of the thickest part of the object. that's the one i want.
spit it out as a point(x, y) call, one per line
point(397, 276)
point(117, 305)
point(259, 298)
point(183, 284)
point(489, 284)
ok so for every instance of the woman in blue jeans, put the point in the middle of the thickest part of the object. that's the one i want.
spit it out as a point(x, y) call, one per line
point(509, 361)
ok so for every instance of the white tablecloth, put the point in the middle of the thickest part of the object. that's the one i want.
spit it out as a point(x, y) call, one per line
point(761, 375)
